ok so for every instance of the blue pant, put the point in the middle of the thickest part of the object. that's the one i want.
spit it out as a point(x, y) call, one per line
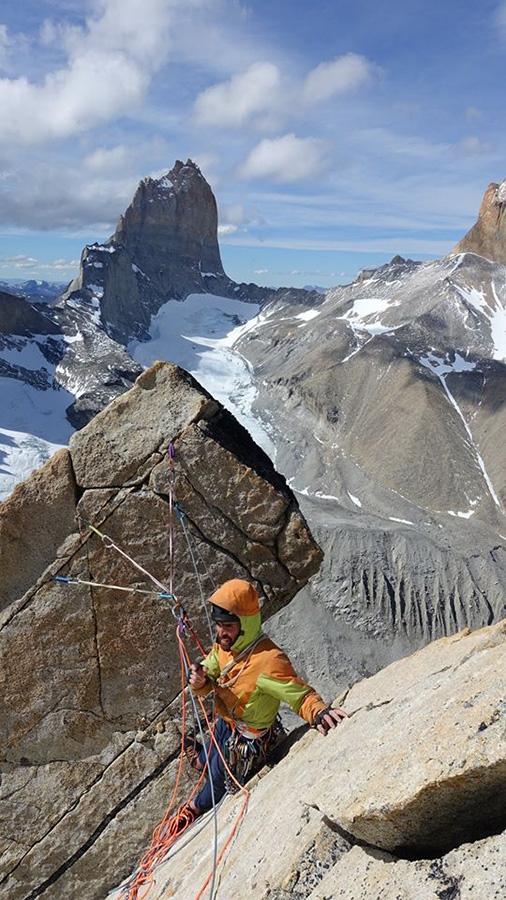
point(215, 769)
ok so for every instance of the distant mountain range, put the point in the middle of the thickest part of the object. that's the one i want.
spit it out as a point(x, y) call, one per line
point(36, 291)
point(382, 401)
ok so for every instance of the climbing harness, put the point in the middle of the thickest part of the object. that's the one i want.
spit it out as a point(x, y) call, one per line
point(248, 752)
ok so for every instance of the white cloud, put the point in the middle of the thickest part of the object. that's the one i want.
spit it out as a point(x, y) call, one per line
point(108, 159)
point(109, 65)
point(26, 264)
point(285, 159)
point(260, 96)
point(236, 101)
point(224, 230)
point(473, 144)
point(18, 262)
point(346, 73)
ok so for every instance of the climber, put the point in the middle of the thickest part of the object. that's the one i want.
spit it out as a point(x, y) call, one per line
point(250, 677)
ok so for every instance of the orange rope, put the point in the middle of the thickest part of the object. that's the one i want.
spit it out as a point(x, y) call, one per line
point(169, 829)
point(175, 823)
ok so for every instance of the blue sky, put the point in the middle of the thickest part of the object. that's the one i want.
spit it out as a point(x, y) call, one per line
point(335, 134)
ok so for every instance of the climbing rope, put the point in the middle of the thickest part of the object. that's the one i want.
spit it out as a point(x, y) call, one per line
point(113, 587)
point(110, 544)
point(177, 821)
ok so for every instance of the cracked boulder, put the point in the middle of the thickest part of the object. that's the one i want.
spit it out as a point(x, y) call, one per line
point(159, 498)
point(404, 799)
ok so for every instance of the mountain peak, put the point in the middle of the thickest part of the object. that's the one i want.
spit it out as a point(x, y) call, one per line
point(165, 247)
point(181, 177)
point(173, 216)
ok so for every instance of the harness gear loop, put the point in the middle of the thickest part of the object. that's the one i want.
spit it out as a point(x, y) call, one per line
point(247, 755)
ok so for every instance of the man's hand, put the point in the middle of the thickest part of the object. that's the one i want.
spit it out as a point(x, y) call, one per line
point(329, 718)
point(197, 676)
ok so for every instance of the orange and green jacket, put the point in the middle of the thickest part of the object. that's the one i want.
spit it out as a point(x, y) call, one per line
point(253, 678)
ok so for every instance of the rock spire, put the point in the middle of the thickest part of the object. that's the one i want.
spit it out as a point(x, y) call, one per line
point(165, 246)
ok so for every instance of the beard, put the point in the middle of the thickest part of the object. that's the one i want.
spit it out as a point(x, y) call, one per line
point(226, 642)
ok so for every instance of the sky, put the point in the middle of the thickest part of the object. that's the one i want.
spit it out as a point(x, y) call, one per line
point(335, 134)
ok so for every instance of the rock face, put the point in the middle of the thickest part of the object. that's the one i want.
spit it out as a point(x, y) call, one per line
point(20, 317)
point(89, 671)
point(405, 799)
point(173, 223)
point(487, 237)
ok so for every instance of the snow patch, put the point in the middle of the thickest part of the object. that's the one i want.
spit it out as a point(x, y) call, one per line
point(442, 365)
point(33, 428)
point(494, 311)
point(364, 316)
point(307, 315)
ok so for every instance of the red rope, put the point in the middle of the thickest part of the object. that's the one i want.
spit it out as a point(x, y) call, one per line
point(176, 822)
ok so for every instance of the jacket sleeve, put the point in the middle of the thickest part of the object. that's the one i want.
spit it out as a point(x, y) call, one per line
point(301, 697)
point(212, 667)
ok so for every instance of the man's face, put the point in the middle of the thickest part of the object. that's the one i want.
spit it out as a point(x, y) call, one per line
point(227, 634)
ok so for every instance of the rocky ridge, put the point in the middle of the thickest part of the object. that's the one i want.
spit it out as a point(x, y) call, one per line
point(403, 800)
point(88, 670)
point(63, 349)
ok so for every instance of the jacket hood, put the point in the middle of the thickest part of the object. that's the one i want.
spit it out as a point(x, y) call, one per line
point(238, 596)
point(251, 628)
point(241, 598)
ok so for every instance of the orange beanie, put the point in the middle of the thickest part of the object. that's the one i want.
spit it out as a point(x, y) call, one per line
point(238, 597)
